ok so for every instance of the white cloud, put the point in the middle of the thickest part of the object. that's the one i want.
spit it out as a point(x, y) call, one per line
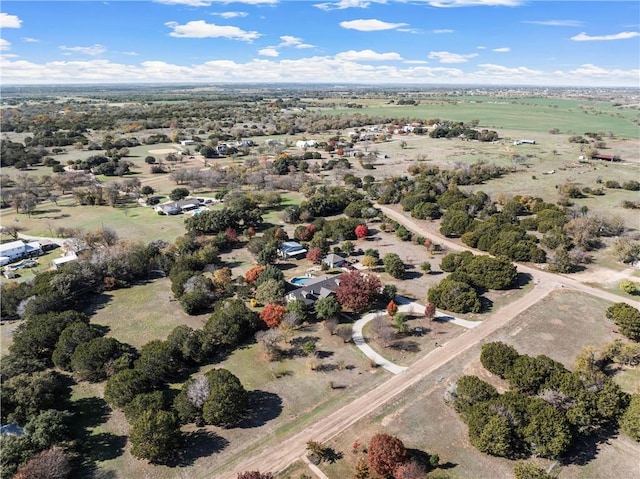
point(289, 41)
point(555, 23)
point(29, 40)
point(448, 57)
point(442, 30)
point(202, 29)
point(416, 62)
point(4, 45)
point(475, 3)
point(370, 25)
point(317, 69)
point(268, 52)
point(501, 49)
point(93, 50)
point(230, 14)
point(481, 47)
point(583, 37)
point(9, 21)
point(342, 4)
point(367, 55)
point(131, 54)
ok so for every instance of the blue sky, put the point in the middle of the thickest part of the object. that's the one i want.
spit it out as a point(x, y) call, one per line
point(427, 42)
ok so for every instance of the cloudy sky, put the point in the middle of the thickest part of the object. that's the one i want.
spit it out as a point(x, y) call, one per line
point(487, 42)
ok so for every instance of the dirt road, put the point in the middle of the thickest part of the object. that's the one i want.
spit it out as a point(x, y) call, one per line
point(277, 458)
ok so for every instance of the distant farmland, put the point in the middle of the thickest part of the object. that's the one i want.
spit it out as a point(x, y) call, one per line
point(527, 114)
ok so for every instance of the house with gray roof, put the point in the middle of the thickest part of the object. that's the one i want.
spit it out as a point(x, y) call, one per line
point(315, 289)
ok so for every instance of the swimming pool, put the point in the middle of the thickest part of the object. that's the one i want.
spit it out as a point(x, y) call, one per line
point(299, 281)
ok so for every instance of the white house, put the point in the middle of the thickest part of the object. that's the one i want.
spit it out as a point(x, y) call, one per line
point(291, 249)
point(187, 142)
point(13, 250)
point(58, 262)
point(306, 143)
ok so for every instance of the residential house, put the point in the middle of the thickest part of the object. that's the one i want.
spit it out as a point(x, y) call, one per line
point(291, 249)
point(15, 250)
point(334, 261)
point(177, 207)
point(315, 289)
point(306, 143)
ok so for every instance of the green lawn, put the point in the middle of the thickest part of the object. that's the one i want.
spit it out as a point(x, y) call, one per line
point(527, 114)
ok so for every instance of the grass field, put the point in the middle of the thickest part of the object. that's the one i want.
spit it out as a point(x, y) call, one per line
point(132, 222)
point(527, 114)
point(141, 313)
point(424, 422)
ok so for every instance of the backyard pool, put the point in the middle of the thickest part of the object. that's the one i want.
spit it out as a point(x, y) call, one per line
point(299, 281)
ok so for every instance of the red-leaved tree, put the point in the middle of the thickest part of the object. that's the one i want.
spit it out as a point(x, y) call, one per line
point(385, 454)
point(392, 308)
point(272, 314)
point(49, 464)
point(231, 234)
point(253, 274)
point(361, 231)
point(315, 255)
point(357, 290)
point(430, 311)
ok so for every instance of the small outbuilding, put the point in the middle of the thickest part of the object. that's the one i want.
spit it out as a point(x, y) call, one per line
point(291, 249)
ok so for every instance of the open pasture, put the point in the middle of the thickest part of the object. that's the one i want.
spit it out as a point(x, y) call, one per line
point(421, 418)
point(527, 114)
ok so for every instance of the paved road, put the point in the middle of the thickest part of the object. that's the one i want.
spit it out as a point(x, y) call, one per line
point(368, 351)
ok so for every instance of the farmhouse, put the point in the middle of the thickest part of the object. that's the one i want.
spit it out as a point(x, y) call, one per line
point(315, 289)
point(15, 250)
point(176, 207)
point(291, 249)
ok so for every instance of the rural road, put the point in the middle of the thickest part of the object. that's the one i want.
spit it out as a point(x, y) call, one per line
point(278, 457)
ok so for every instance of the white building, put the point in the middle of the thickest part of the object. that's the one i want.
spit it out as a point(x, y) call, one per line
point(306, 143)
point(15, 250)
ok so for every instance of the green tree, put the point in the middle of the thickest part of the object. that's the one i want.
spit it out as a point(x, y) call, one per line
point(24, 396)
point(455, 223)
point(156, 436)
point(327, 307)
point(124, 386)
point(178, 194)
point(627, 318)
point(153, 401)
point(73, 335)
point(495, 438)
point(93, 361)
point(498, 358)
point(393, 265)
point(270, 291)
point(471, 390)
point(227, 399)
point(630, 422)
point(527, 470)
point(231, 322)
point(455, 296)
point(548, 433)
